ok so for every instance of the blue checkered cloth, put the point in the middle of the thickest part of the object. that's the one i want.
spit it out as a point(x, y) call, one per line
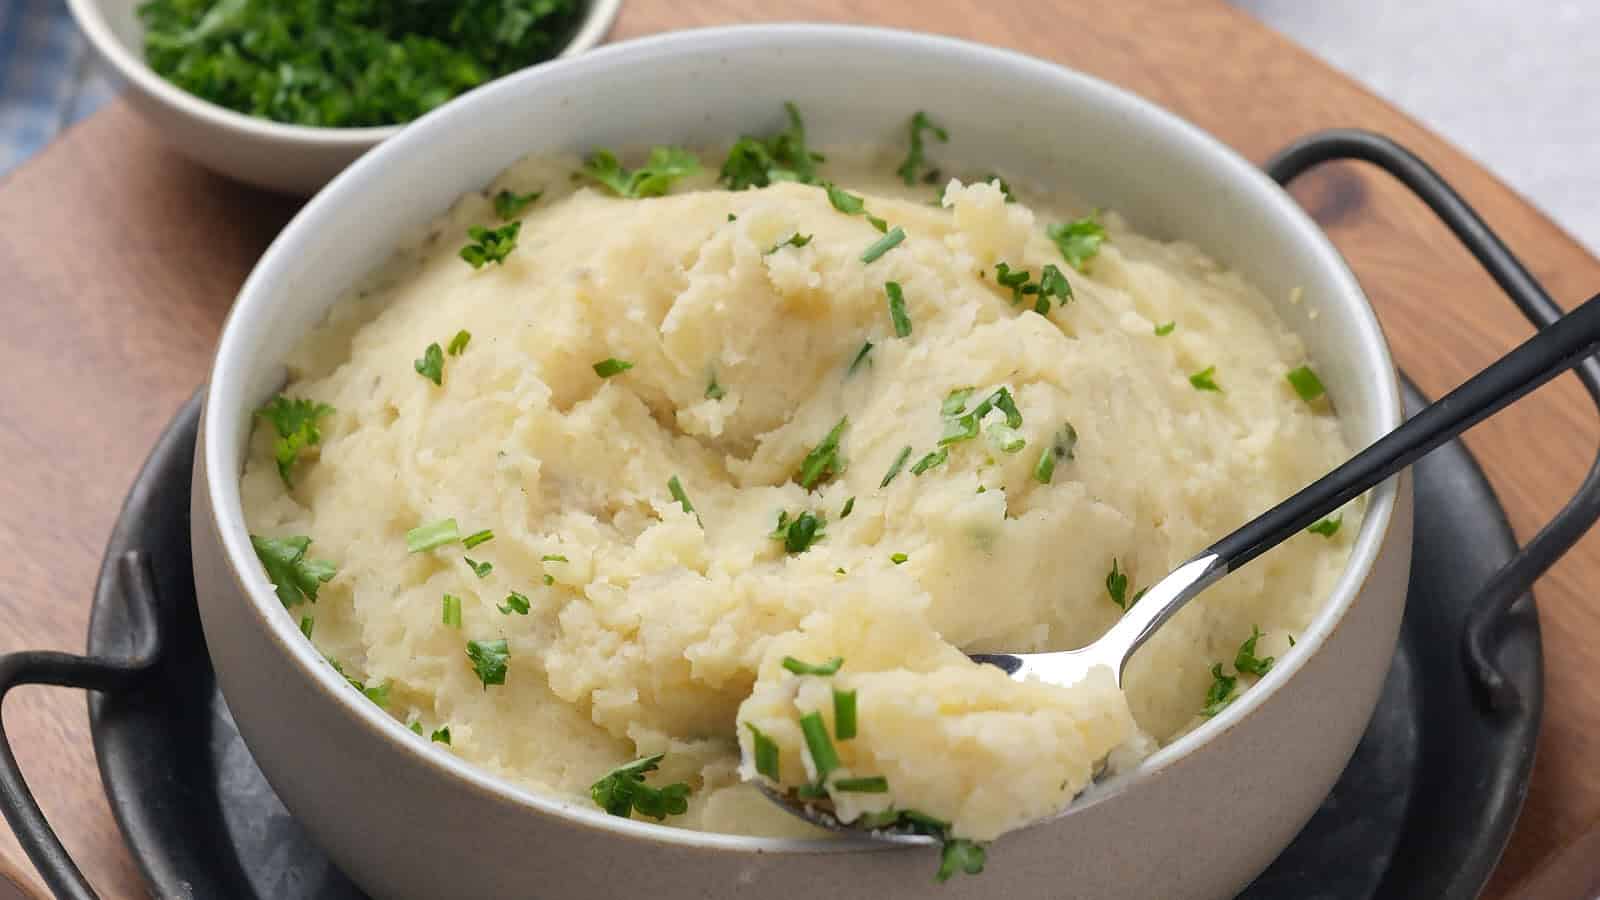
point(49, 77)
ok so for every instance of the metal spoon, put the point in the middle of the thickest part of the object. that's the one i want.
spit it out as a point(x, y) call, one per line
point(1539, 359)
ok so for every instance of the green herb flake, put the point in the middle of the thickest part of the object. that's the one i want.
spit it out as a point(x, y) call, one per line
point(844, 201)
point(552, 557)
point(1328, 527)
point(295, 421)
point(1205, 380)
point(515, 603)
point(883, 245)
point(476, 538)
point(480, 569)
point(794, 240)
point(765, 751)
point(897, 309)
point(606, 368)
point(665, 166)
point(441, 735)
point(451, 614)
point(799, 533)
point(880, 224)
point(1220, 694)
point(1015, 279)
point(1079, 241)
point(871, 784)
point(759, 162)
point(831, 667)
point(898, 558)
point(823, 461)
point(432, 534)
point(510, 204)
point(1165, 329)
point(459, 342)
point(490, 245)
point(1306, 384)
point(416, 727)
point(489, 660)
point(1063, 446)
point(1052, 283)
point(960, 855)
point(849, 506)
point(1117, 585)
point(714, 391)
point(622, 792)
point(895, 467)
point(844, 714)
point(675, 488)
point(1247, 661)
point(296, 578)
point(431, 365)
point(1006, 438)
point(307, 625)
point(549, 579)
point(377, 693)
point(824, 758)
point(937, 457)
point(861, 357)
point(911, 168)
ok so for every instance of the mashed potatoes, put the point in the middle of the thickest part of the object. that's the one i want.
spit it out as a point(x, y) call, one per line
point(649, 510)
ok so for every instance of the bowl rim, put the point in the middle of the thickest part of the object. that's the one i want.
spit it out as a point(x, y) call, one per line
point(598, 17)
point(225, 397)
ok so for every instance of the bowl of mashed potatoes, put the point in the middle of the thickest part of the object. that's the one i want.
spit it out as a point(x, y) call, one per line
point(674, 420)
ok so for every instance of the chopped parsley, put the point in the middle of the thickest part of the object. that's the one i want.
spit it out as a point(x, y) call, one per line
point(665, 166)
point(1165, 328)
point(799, 533)
point(714, 391)
point(441, 735)
point(480, 569)
point(1205, 380)
point(897, 309)
point(451, 613)
point(1117, 585)
point(849, 505)
point(675, 488)
point(432, 534)
point(610, 366)
point(510, 204)
point(1052, 283)
point(831, 667)
point(1079, 241)
point(961, 424)
point(515, 603)
point(622, 792)
point(489, 660)
point(794, 240)
point(459, 342)
point(1220, 694)
point(295, 421)
point(307, 625)
point(896, 466)
point(758, 162)
point(898, 558)
point(476, 538)
point(296, 578)
point(843, 200)
point(823, 461)
point(765, 751)
point(1247, 661)
point(1015, 279)
point(416, 727)
point(490, 245)
point(884, 244)
point(960, 855)
point(937, 457)
point(861, 357)
point(377, 693)
point(1306, 383)
point(431, 365)
point(1328, 527)
point(844, 713)
point(911, 169)
point(871, 784)
point(824, 758)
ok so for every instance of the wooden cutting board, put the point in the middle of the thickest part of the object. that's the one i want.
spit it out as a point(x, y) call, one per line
point(118, 261)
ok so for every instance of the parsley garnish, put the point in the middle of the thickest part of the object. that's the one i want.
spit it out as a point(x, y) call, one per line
point(843, 200)
point(861, 357)
point(1328, 527)
point(898, 558)
point(896, 466)
point(831, 667)
point(823, 461)
point(441, 735)
point(1052, 283)
point(416, 727)
point(844, 713)
point(307, 625)
point(884, 244)
point(606, 368)
point(849, 504)
point(476, 538)
point(960, 854)
point(432, 534)
point(459, 342)
point(897, 309)
point(1016, 280)
point(509, 204)
point(1205, 380)
point(480, 569)
point(765, 751)
point(871, 784)
point(490, 245)
point(714, 391)
point(675, 488)
point(431, 365)
point(1117, 585)
point(1220, 694)
point(489, 660)
point(295, 577)
point(451, 612)
point(799, 533)
point(622, 791)
point(377, 693)
point(911, 168)
point(932, 459)
point(824, 758)
point(758, 162)
point(794, 240)
point(1165, 329)
point(515, 603)
point(1247, 661)
point(962, 425)
point(1078, 241)
point(295, 421)
point(1306, 383)
point(653, 179)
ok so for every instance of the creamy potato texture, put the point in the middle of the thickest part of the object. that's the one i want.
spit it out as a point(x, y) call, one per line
point(655, 629)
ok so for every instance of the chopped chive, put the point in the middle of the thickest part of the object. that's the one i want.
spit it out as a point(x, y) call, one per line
point(606, 368)
point(877, 223)
point(552, 557)
point(861, 357)
point(830, 667)
point(431, 535)
point(1165, 329)
point(480, 569)
point(932, 459)
point(459, 342)
point(884, 244)
point(844, 714)
point(515, 603)
point(675, 488)
point(1306, 383)
point(872, 784)
point(823, 757)
point(898, 558)
point(794, 240)
point(897, 309)
point(476, 538)
point(431, 365)
point(823, 460)
point(849, 505)
point(307, 624)
point(766, 752)
point(896, 466)
point(452, 611)
point(1045, 468)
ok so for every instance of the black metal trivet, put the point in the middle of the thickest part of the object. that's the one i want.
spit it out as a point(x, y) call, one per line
point(1423, 810)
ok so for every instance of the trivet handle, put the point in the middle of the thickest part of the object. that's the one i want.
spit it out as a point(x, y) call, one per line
point(1488, 610)
point(136, 580)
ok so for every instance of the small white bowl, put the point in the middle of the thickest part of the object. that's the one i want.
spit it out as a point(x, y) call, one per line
point(292, 159)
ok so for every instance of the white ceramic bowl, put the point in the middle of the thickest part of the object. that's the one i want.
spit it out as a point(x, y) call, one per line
point(406, 819)
point(293, 159)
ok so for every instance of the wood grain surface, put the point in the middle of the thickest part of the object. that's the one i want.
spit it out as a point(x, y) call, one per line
point(118, 260)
